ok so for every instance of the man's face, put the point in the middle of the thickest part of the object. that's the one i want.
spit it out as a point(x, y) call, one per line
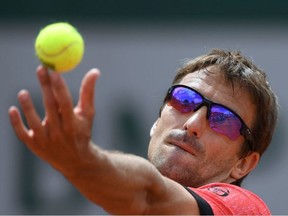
point(183, 146)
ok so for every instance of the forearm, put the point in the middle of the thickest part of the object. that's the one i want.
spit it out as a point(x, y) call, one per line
point(120, 183)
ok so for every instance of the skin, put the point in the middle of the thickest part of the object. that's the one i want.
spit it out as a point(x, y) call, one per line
point(120, 183)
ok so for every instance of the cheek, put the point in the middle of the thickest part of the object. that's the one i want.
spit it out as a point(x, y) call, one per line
point(157, 136)
point(220, 148)
point(163, 126)
point(171, 118)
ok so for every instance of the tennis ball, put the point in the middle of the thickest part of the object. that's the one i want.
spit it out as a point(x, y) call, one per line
point(60, 47)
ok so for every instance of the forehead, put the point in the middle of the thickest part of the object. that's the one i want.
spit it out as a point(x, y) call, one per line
point(216, 88)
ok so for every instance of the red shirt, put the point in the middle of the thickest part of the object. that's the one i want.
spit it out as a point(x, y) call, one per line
point(231, 200)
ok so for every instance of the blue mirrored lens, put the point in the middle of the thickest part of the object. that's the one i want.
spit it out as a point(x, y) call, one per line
point(185, 100)
point(225, 122)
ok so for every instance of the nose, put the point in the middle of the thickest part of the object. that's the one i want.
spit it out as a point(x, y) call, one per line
point(197, 122)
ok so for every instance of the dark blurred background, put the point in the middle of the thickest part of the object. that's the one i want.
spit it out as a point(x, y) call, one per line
point(147, 11)
point(138, 45)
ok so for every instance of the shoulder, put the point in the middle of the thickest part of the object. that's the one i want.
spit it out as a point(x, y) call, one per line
point(231, 199)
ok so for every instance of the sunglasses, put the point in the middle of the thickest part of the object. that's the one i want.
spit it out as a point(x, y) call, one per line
point(221, 119)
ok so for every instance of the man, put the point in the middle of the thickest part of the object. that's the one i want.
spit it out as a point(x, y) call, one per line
point(216, 121)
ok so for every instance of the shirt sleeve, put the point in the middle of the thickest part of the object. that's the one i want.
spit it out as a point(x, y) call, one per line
point(204, 207)
point(227, 199)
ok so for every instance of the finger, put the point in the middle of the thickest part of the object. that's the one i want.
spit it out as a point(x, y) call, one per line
point(33, 119)
point(49, 100)
point(64, 100)
point(29, 137)
point(86, 95)
point(17, 123)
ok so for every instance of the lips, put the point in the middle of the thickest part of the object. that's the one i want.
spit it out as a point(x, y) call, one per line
point(187, 143)
point(183, 146)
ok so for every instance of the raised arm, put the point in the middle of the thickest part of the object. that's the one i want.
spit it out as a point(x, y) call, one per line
point(120, 183)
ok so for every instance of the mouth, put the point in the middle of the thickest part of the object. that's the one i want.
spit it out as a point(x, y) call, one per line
point(183, 146)
point(181, 140)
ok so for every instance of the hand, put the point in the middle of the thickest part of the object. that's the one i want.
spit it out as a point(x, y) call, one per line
point(63, 137)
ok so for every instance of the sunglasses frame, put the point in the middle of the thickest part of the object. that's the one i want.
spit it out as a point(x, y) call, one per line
point(244, 130)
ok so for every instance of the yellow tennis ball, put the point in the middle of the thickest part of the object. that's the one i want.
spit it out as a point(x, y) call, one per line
point(60, 47)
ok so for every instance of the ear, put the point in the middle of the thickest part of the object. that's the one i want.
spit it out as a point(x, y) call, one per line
point(245, 165)
point(153, 127)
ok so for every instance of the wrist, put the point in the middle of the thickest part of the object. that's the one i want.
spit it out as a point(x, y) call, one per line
point(87, 161)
